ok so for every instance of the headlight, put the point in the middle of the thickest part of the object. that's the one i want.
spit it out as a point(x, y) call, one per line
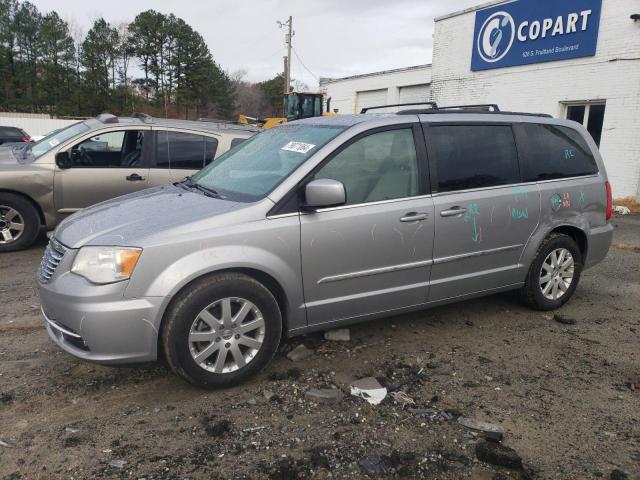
point(106, 264)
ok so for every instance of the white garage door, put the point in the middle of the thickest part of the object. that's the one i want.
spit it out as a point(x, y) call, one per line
point(415, 93)
point(371, 98)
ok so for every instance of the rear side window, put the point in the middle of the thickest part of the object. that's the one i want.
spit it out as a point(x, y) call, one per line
point(473, 156)
point(237, 141)
point(211, 145)
point(188, 151)
point(556, 152)
point(10, 132)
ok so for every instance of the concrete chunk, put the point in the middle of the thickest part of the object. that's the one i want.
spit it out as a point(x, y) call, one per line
point(338, 335)
point(324, 395)
point(299, 353)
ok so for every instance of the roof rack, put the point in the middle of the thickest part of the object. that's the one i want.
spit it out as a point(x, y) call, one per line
point(433, 105)
point(142, 116)
point(107, 118)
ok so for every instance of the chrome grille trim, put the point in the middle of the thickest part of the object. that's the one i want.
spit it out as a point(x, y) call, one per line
point(53, 255)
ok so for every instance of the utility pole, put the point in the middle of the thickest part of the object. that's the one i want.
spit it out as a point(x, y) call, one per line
point(287, 60)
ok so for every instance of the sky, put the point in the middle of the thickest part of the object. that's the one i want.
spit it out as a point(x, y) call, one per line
point(333, 38)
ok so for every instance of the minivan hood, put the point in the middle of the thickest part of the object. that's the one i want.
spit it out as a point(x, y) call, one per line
point(128, 220)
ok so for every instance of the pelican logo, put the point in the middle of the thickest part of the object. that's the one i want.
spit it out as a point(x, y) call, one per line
point(496, 37)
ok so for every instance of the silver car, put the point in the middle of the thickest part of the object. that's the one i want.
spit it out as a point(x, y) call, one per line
point(325, 222)
point(95, 160)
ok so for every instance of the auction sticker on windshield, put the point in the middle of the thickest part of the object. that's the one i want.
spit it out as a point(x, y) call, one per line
point(298, 147)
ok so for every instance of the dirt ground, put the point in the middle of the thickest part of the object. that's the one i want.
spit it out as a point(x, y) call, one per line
point(568, 396)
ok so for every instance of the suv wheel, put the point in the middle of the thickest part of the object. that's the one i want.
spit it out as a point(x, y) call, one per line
point(554, 273)
point(221, 330)
point(19, 222)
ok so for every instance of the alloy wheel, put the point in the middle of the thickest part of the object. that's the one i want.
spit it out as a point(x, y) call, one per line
point(556, 274)
point(226, 335)
point(11, 224)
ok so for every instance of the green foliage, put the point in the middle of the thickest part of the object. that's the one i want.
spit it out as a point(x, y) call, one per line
point(42, 69)
point(273, 92)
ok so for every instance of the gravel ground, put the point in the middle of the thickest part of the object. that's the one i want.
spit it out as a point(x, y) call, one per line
point(566, 395)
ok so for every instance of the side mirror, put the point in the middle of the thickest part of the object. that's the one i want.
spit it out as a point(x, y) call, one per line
point(324, 193)
point(63, 160)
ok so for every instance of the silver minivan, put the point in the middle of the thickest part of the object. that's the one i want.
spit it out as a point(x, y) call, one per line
point(325, 222)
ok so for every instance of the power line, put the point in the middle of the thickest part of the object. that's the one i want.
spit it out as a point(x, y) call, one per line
point(305, 67)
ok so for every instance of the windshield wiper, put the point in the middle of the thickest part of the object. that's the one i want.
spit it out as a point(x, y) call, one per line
point(189, 183)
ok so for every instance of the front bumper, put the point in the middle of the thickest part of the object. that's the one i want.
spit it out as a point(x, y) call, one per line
point(96, 323)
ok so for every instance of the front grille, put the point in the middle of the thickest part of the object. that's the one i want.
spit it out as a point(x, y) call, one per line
point(52, 256)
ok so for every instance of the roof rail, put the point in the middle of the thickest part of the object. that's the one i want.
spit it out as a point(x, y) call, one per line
point(433, 105)
point(427, 111)
point(489, 107)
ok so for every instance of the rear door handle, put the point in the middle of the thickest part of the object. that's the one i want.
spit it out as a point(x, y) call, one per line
point(453, 212)
point(414, 217)
point(134, 177)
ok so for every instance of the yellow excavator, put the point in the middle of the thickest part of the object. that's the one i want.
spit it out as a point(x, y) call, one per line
point(297, 105)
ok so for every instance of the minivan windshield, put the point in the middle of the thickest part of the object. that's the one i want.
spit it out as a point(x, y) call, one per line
point(56, 138)
point(254, 168)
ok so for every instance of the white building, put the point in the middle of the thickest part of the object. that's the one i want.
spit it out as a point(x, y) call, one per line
point(403, 85)
point(578, 60)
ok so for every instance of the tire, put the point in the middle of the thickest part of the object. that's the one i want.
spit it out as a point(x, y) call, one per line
point(199, 312)
point(533, 292)
point(17, 211)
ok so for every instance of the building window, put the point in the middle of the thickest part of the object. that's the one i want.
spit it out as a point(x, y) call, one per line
point(590, 115)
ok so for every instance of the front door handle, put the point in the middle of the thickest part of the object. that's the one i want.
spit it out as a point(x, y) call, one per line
point(414, 217)
point(453, 212)
point(134, 177)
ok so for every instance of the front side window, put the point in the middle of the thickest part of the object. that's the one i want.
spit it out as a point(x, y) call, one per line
point(118, 149)
point(474, 156)
point(380, 166)
point(254, 168)
point(556, 152)
point(186, 151)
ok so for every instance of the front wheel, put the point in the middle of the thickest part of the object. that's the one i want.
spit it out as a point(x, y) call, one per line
point(19, 222)
point(221, 330)
point(554, 273)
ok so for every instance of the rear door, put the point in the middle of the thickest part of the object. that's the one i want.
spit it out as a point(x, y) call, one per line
point(484, 215)
point(374, 253)
point(104, 165)
point(178, 154)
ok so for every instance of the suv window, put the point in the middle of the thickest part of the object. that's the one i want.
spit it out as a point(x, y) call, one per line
point(474, 156)
point(556, 152)
point(237, 141)
point(109, 150)
point(188, 151)
point(380, 166)
point(12, 132)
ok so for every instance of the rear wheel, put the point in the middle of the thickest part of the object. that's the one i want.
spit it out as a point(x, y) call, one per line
point(221, 330)
point(19, 222)
point(554, 273)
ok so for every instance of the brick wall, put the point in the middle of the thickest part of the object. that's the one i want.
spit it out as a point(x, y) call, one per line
point(612, 75)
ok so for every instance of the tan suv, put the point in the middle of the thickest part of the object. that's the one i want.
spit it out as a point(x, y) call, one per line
point(96, 160)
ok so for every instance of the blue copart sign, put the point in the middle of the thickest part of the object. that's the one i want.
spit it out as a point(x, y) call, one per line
point(533, 31)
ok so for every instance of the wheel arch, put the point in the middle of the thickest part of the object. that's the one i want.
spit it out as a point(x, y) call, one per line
point(264, 278)
point(28, 198)
point(577, 234)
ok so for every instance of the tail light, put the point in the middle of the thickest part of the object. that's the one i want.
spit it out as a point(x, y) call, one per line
point(26, 139)
point(607, 185)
